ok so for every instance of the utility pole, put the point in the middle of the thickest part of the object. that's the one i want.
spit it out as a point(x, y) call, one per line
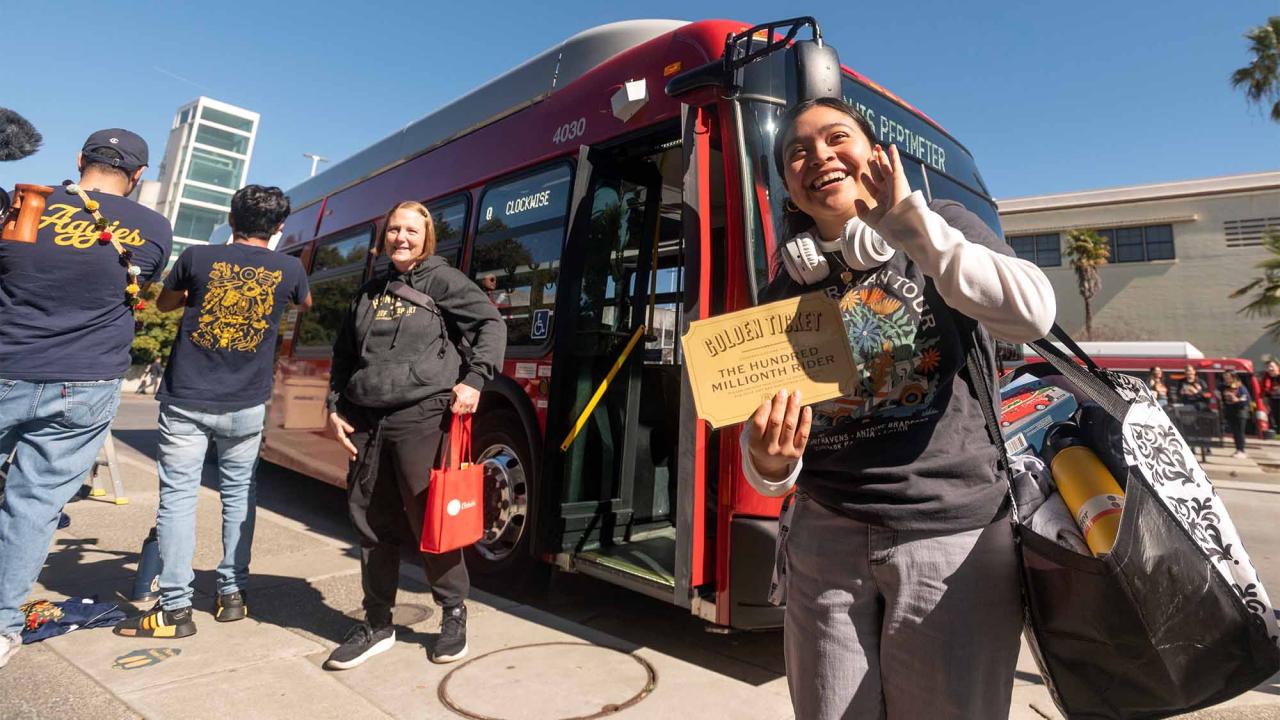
point(315, 160)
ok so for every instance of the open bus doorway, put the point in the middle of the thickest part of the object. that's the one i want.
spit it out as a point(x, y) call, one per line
point(622, 287)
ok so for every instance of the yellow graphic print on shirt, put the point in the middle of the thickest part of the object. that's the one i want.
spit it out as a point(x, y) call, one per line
point(237, 307)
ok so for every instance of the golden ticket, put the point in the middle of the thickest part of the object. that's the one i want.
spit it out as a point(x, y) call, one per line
point(737, 360)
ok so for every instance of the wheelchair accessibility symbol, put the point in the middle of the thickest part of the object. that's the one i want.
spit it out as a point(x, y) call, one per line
point(541, 325)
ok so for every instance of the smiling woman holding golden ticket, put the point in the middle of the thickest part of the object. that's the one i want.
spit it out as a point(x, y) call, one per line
point(896, 557)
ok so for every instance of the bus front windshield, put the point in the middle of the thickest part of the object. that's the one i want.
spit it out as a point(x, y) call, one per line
point(935, 164)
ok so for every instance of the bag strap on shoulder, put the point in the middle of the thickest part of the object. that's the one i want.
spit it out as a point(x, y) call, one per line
point(980, 376)
point(417, 297)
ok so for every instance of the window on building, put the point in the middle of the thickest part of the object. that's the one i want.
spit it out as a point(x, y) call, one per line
point(222, 139)
point(516, 259)
point(184, 117)
point(197, 223)
point(215, 197)
point(215, 169)
point(1044, 250)
point(1139, 243)
point(226, 118)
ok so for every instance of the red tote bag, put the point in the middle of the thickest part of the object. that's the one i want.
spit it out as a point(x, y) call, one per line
point(455, 496)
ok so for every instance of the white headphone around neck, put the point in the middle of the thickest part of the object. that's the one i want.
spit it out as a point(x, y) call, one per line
point(859, 246)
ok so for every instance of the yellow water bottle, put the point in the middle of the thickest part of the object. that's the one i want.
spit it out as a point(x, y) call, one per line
point(1090, 492)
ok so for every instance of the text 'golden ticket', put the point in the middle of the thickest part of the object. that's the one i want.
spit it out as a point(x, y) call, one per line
point(737, 360)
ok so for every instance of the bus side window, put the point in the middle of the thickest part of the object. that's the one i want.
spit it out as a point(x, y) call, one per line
point(516, 258)
point(337, 271)
point(289, 318)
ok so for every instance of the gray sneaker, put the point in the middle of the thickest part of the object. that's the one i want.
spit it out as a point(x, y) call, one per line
point(9, 645)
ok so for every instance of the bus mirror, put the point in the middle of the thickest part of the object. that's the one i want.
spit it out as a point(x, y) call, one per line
point(817, 70)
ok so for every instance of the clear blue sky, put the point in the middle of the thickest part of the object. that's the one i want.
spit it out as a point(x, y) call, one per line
point(1049, 96)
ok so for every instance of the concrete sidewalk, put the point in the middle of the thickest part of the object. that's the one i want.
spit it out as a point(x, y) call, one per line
point(524, 662)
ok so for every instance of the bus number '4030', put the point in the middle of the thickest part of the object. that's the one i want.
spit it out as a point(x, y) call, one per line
point(569, 131)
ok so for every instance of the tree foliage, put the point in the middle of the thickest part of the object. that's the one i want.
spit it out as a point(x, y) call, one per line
point(1264, 291)
point(1260, 79)
point(154, 331)
point(1087, 251)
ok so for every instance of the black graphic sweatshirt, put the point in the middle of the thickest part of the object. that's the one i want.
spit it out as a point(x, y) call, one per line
point(392, 353)
point(909, 448)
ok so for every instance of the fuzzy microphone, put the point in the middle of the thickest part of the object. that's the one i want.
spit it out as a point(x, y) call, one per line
point(18, 138)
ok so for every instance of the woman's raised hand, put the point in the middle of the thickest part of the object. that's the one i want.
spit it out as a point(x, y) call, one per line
point(779, 432)
point(886, 182)
point(342, 430)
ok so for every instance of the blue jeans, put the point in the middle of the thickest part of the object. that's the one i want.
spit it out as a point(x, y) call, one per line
point(56, 430)
point(185, 433)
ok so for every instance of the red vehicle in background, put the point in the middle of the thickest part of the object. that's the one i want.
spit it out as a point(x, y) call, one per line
point(606, 192)
point(1138, 359)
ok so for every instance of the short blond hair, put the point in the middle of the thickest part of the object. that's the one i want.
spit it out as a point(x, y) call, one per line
point(428, 242)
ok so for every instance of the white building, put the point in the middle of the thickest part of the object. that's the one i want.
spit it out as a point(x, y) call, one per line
point(1178, 250)
point(205, 161)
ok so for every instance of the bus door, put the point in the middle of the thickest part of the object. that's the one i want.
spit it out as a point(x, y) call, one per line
point(617, 329)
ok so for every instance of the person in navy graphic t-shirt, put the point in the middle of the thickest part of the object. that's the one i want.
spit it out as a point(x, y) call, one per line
point(66, 326)
point(214, 389)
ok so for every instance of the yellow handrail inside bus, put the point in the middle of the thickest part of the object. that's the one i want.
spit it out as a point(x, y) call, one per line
point(604, 386)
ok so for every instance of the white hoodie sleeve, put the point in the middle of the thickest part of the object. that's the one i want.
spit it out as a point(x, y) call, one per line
point(1011, 297)
point(763, 485)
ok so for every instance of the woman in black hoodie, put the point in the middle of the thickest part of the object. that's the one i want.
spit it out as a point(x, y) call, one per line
point(396, 381)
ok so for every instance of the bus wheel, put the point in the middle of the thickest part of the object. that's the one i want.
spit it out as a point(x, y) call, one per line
point(501, 447)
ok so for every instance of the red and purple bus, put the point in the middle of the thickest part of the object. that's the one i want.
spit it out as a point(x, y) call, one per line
point(619, 183)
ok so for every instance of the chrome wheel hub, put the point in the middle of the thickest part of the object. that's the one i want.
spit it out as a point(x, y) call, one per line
point(506, 502)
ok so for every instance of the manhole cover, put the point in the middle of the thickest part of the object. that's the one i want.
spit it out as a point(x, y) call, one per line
point(547, 681)
point(403, 614)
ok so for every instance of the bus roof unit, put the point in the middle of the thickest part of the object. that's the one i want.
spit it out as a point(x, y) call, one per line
point(518, 88)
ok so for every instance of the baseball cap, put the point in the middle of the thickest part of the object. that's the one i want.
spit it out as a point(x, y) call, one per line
point(132, 149)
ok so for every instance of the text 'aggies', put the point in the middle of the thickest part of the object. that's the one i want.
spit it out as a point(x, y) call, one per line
point(79, 233)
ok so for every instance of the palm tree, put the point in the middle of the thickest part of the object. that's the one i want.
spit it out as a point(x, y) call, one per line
point(1260, 79)
point(1266, 289)
point(1088, 251)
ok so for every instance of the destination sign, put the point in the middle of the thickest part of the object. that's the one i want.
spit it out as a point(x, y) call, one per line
point(913, 135)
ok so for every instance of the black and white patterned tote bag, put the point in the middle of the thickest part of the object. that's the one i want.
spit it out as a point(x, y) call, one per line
point(1174, 618)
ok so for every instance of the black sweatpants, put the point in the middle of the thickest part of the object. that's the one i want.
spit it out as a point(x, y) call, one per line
point(1237, 416)
point(387, 497)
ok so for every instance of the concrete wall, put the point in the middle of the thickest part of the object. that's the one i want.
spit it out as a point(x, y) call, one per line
point(1182, 299)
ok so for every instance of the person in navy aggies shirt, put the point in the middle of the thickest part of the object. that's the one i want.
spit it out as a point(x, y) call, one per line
point(66, 326)
point(215, 388)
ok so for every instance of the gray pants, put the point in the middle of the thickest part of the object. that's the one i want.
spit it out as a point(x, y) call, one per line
point(899, 624)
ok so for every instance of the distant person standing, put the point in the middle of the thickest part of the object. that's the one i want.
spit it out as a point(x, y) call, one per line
point(151, 376)
point(1158, 386)
point(215, 389)
point(66, 326)
point(1192, 389)
point(1271, 390)
point(1235, 410)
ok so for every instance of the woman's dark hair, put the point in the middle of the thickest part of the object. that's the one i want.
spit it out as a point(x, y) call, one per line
point(788, 119)
point(797, 221)
point(257, 211)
